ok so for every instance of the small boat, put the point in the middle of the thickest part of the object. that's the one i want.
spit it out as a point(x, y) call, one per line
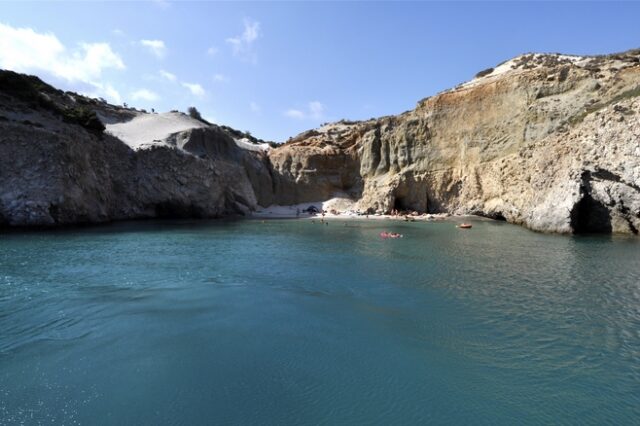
point(465, 226)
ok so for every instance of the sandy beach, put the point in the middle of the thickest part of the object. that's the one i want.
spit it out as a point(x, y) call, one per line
point(339, 208)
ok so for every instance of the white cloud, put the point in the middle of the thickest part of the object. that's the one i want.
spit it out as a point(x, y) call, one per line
point(157, 47)
point(315, 111)
point(255, 107)
point(242, 45)
point(294, 113)
point(106, 91)
point(25, 50)
point(212, 51)
point(221, 78)
point(144, 95)
point(167, 75)
point(117, 32)
point(97, 56)
point(111, 94)
point(194, 88)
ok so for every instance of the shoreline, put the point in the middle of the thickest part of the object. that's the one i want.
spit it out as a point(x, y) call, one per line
point(332, 212)
point(429, 217)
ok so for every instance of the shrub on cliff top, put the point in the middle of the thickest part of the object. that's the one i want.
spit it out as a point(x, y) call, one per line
point(85, 117)
point(194, 113)
point(27, 88)
point(37, 94)
point(484, 72)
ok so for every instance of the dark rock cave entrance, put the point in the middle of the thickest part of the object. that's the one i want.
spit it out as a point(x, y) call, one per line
point(499, 217)
point(400, 204)
point(495, 216)
point(589, 215)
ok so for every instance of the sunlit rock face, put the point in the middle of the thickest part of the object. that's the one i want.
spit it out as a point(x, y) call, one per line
point(551, 142)
point(59, 165)
point(548, 141)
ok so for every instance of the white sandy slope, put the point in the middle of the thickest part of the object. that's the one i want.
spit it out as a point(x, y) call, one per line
point(147, 130)
point(339, 204)
point(245, 143)
point(152, 129)
point(510, 66)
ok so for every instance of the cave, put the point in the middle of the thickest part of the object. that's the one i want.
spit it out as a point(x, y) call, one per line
point(590, 216)
point(495, 216)
point(400, 204)
point(499, 216)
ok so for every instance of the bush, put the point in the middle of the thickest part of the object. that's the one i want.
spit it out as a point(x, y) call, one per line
point(484, 72)
point(27, 88)
point(85, 117)
point(36, 93)
point(195, 114)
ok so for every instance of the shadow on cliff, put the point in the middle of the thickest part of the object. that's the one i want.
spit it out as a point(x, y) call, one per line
point(589, 215)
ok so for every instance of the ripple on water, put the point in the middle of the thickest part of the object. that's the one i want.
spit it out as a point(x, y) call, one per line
point(299, 323)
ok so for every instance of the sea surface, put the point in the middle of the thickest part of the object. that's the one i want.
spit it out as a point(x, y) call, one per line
point(288, 322)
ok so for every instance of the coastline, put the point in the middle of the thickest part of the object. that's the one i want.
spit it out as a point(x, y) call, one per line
point(340, 208)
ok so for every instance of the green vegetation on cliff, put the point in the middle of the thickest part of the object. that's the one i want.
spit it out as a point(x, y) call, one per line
point(38, 94)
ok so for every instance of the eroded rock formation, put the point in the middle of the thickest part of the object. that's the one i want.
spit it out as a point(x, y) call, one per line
point(548, 141)
point(54, 171)
point(551, 142)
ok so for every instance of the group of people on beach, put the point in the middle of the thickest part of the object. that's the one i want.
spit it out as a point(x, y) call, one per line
point(406, 216)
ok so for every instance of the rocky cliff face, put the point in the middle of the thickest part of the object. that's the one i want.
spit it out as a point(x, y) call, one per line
point(548, 141)
point(54, 170)
point(551, 142)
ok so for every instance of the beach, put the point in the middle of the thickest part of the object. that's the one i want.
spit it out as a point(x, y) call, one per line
point(340, 208)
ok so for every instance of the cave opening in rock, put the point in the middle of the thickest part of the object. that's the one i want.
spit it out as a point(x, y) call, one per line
point(590, 216)
point(499, 216)
point(400, 204)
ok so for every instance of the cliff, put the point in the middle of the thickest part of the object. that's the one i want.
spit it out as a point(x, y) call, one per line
point(66, 159)
point(551, 142)
point(548, 141)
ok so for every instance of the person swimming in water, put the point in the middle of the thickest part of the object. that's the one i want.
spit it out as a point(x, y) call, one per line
point(394, 235)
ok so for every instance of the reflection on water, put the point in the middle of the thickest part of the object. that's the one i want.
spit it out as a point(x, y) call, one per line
point(289, 322)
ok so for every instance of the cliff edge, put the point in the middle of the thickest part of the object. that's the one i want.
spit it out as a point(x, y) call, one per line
point(67, 159)
point(548, 141)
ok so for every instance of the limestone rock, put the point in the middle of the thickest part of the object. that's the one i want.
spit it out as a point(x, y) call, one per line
point(547, 141)
point(551, 142)
point(53, 172)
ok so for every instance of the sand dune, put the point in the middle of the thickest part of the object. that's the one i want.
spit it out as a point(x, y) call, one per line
point(152, 129)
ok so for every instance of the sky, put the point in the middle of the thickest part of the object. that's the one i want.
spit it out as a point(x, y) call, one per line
point(279, 68)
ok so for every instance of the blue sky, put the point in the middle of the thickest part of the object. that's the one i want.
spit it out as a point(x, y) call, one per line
point(280, 68)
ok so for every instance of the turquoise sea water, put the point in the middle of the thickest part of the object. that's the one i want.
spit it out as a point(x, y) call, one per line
point(289, 322)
